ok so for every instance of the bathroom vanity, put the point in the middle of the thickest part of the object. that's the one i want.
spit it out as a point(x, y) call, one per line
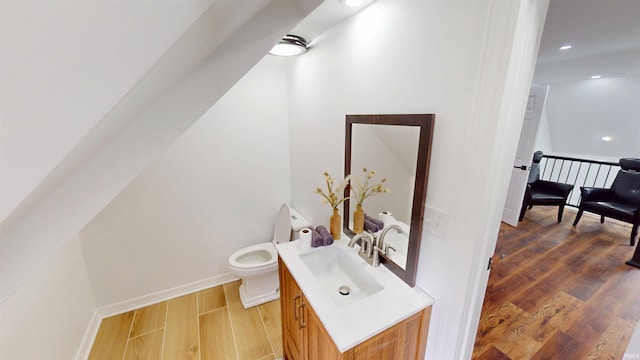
point(336, 306)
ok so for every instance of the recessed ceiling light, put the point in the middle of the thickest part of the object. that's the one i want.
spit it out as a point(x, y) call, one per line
point(565, 47)
point(596, 76)
point(353, 3)
point(290, 45)
point(606, 138)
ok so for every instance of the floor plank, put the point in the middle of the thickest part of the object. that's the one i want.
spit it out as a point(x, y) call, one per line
point(497, 324)
point(251, 338)
point(492, 354)
point(575, 296)
point(194, 326)
point(145, 347)
point(216, 339)
point(182, 328)
point(211, 299)
point(610, 345)
point(270, 313)
point(111, 340)
point(560, 346)
point(148, 319)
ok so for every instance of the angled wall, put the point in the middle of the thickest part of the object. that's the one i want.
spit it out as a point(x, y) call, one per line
point(50, 316)
point(64, 65)
point(217, 189)
point(199, 68)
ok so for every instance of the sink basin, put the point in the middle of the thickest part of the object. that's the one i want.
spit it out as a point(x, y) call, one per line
point(377, 298)
point(340, 276)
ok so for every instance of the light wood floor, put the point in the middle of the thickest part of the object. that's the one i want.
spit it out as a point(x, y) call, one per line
point(209, 324)
point(558, 292)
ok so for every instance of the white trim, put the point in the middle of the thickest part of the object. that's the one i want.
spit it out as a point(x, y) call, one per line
point(526, 20)
point(128, 305)
point(89, 336)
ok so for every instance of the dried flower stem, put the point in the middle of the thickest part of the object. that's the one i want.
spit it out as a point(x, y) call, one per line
point(363, 191)
point(333, 196)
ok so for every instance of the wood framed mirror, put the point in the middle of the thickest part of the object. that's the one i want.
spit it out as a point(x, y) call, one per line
point(398, 148)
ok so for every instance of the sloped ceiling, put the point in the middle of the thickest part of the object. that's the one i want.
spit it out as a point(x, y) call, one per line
point(115, 83)
point(605, 36)
point(65, 64)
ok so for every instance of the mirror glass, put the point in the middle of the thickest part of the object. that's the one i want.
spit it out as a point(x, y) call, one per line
point(397, 148)
point(392, 152)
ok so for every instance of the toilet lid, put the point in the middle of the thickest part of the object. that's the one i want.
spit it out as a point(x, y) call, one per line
point(282, 231)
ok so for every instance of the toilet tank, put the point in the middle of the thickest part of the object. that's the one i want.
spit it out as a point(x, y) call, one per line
point(298, 222)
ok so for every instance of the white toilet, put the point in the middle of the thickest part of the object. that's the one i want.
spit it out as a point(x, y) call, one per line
point(257, 265)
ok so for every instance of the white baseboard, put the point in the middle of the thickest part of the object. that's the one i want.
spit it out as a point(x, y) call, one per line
point(89, 336)
point(119, 308)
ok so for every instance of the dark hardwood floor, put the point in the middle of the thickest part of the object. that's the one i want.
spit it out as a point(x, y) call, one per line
point(559, 292)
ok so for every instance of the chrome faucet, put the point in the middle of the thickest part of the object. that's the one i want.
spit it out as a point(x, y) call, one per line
point(381, 245)
point(368, 247)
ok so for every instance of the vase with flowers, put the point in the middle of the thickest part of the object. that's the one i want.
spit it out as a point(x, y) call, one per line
point(334, 197)
point(362, 190)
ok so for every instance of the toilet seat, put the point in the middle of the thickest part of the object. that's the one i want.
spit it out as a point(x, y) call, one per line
point(256, 257)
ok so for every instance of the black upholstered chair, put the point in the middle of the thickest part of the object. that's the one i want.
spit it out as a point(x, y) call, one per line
point(621, 201)
point(541, 192)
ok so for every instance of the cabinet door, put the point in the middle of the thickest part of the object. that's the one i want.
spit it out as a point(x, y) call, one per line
point(292, 306)
point(403, 341)
point(318, 342)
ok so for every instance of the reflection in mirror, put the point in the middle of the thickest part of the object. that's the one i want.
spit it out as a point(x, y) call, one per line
point(398, 148)
point(392, 151)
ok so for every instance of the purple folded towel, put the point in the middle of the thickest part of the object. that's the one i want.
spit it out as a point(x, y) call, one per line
point(325, 234)
point(378, 222)
point(316, 239)
point(370, 226)
point(328, 241)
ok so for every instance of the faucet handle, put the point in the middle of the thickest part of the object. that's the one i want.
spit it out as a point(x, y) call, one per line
point(388, 247)
point(374, 238)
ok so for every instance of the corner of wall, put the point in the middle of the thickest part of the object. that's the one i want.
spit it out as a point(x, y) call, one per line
point(89, 336)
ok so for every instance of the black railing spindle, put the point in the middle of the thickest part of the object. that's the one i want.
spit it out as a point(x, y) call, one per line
point(581, 178)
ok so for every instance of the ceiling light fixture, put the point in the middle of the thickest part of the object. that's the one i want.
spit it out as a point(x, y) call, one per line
point(596, 76)
point(290, 45)
point(565, 47)
point(353, 3)
point(606, 138)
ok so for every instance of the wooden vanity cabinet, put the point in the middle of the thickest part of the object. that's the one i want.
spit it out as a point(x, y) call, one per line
point(305, 338)
point(292, 303)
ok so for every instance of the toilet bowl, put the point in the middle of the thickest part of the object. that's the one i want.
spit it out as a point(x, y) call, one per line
point(257, 265)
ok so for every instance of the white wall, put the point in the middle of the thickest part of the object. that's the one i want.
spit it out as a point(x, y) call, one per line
point(48, 316)
point(215, 190)
point(580, 112)
point(543, 137)
point(447, 58)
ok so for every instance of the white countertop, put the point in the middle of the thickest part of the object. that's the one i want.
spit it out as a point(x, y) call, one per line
point(350, 324)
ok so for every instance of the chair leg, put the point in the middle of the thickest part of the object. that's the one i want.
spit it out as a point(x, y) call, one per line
point(601, 219)
point(560, 210)
point(635, 260)
point(522, 211)
point(634, 232)
point(578, 216)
